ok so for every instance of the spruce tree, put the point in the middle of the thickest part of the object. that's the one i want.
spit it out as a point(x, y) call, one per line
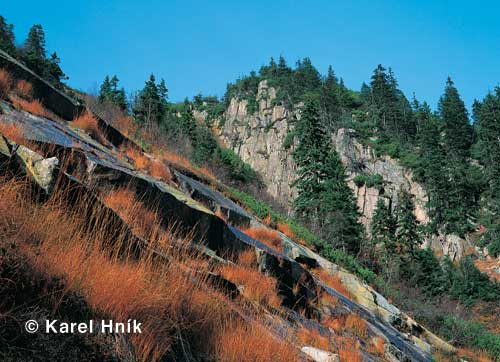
point(487, 115)
point(52, 71)
point(330, 103)
point(456, 127)
point(151, 103)
point(34, 49)
point(383, 227)
point(431, 170)
point(463, 179)
point(323, 196)
point(310, 156)
point(407, 233)
point(109, 92)
point(7, 37)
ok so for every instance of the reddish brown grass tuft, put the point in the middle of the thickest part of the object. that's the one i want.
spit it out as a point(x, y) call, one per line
point(124, 202)
point(333, 281)
point(154, 167)
point(256, 286)
point(175, 309)
point(125, 124)
point(24, 89)
point(5, 83)
point(474, 355)
point(312, 337)
point(88, 123)
point(13, 132)
point(337, 324)
point(251, 343)
point(356, 325)
point(159, 170)
point(285, 229)
point(183, 163)
point(35, 107)
point(248, 258)
point(377, 346)
point(348, 349)
point(266, 236)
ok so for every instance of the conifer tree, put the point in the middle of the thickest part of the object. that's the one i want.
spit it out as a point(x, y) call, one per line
point(456, 128)
point(329, 98)
point(407, 233)
point(53, 72)
point(109, 92)
point(151, 103)
point(463, 179)
point(487, 115)
point(383, 228)
point(323, 195)
point(7, 37)
point(34, 49)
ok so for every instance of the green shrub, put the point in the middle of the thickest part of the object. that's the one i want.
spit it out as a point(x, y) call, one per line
point(470, 334)
point(368, 180)
point(494, 248)
point(238, 169)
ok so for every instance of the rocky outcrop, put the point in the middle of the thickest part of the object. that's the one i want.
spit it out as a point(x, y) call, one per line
point(190, 203)
point(361, 160)
point(258, 138)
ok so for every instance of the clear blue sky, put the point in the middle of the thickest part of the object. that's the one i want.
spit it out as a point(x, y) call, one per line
point(199, 46)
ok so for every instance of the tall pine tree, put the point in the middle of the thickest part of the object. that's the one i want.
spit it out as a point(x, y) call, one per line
point(324, 199)
point(7, 37)
point(456, 127)
point(487, 115)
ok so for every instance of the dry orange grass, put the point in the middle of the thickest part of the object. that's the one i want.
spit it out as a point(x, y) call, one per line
point(159, 170)
point(474, 355)
point(356, 325)
point(24, 89)
point(312, 337)
point(268, 220)
point(333, 281)
point(285, 229)
point(337, 324)
point(251, 343)
point(266, 236)
point(152, 166)
point(13, 131)
point(175, 309)
point(348, 349)
point(183, 163)
point(5, 83)
point(142, 220)
point(125, 124)
point(248, 258)
point(377, 346)
point(488, 267)
point(35, 107)
point(257, 286)
point(88, 123)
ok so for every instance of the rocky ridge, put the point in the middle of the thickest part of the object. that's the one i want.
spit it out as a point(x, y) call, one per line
point(259, 140)
point(193, 202)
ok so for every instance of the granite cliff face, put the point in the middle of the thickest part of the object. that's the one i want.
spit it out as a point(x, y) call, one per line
point(258, 138)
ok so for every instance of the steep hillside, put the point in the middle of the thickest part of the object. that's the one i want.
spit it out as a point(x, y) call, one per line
point(260, 139)
point(129, 235)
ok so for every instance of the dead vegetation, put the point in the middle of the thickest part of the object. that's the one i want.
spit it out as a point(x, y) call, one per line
point(181, 315)
point(266, 236)
point(5, 83)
